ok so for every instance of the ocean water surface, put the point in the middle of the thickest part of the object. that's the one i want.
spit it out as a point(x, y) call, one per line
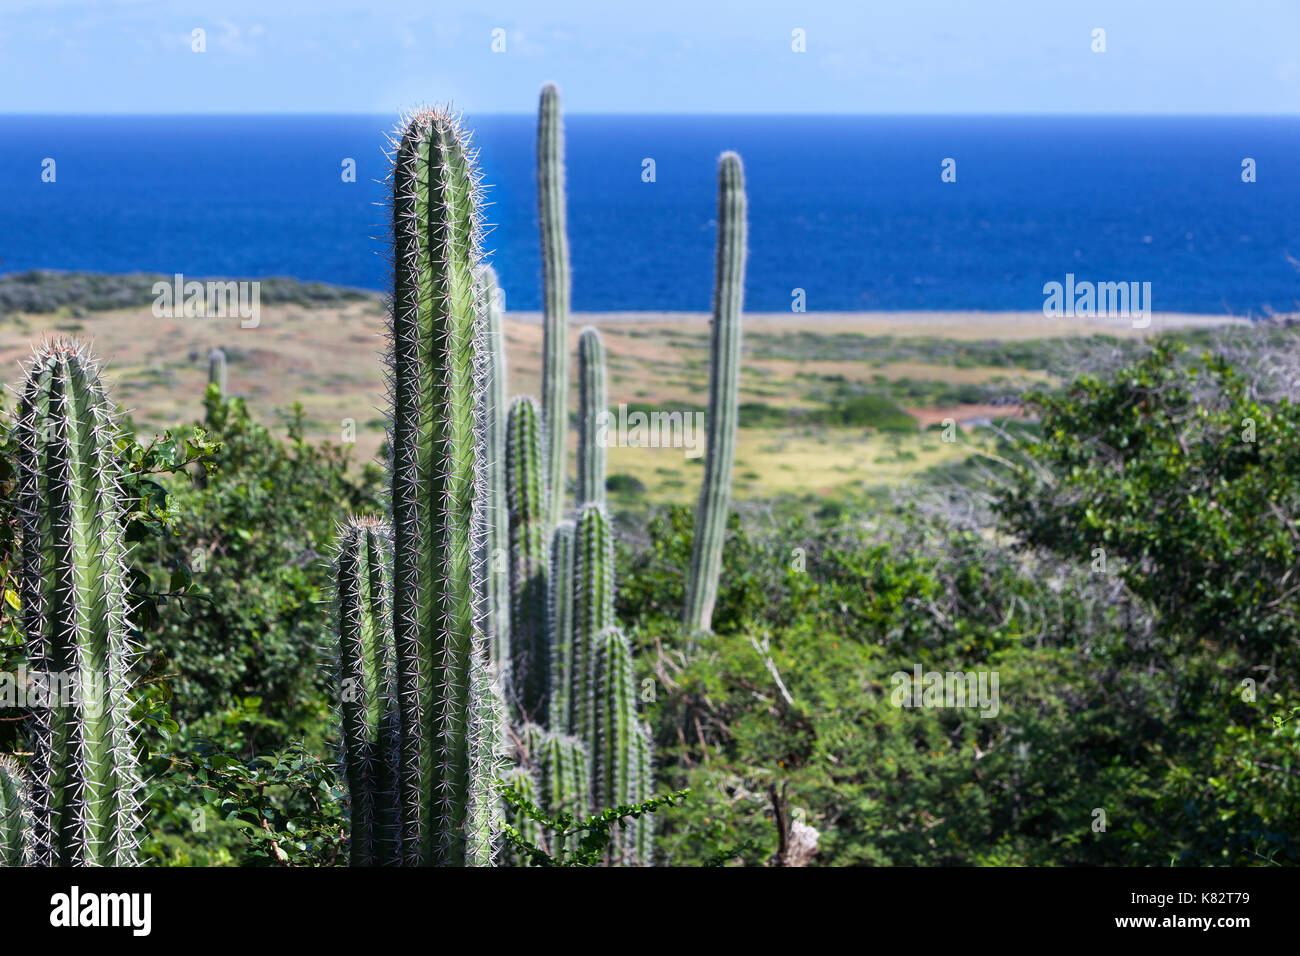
point(851, 210)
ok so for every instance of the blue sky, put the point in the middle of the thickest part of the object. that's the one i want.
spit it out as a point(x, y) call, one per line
point(655, 56)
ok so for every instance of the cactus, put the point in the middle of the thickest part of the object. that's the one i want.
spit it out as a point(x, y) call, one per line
point(643, 828)
point(526, 490)
point(559, 626)
point(616, 734)
point(724, 375)
point(593, 610)
point(438, 473)
point(367, 711)
point(555, 282)
point(15, 816)
point(497, 569)
point(564, 779)
point(525, 786)
point(562, 769)
point(593, 410)
point(74, 609)
point(217, 369)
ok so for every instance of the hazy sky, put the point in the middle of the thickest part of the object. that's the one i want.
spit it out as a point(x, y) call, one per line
point(669, 56)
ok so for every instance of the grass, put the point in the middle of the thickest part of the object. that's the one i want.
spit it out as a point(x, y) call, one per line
point(828, 404)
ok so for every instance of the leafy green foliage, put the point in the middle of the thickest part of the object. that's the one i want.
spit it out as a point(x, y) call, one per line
point(255, 533)
point(1190, 485)
point(582, 842)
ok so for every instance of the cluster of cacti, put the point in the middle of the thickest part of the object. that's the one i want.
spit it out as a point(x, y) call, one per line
point(84, 788)
point(440, 701)
point(724, 378)
point(502, 611)
point(562, 571)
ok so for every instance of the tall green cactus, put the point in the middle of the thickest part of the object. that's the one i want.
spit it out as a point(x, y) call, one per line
point(593, 411)
point(593, 611)
point(497, 567)
point(555, 299)
point(559, 626)
point(438, 474)
point(724, 379)
point(616, 734)
point(526, 489)
point(15, 816)
point(217, 369)
point(85, 786)
point(367, 709)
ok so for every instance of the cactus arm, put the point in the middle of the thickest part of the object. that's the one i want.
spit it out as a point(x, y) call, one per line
point(555, 282)
point(497, 568)
point(559, 626)
point(593, 409)
point(593, 610)
point(564, 785)
point(615, 733)
point(643, 828)
point(367, 716)
point(724, 377)
point(529, 565)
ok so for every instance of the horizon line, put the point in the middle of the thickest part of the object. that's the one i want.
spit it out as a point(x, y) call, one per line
point(1037, 114)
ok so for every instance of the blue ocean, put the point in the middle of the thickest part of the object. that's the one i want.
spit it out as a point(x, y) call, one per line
point(851, 210)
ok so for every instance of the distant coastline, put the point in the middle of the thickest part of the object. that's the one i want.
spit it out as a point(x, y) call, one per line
point(48, 291)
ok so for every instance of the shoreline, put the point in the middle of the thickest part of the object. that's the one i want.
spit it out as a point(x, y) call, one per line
point(960, 323)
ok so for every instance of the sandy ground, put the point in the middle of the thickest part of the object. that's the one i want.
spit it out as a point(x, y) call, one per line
point(329, 359)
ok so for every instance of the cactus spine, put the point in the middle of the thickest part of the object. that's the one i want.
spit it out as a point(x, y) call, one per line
point(593, 410)
point(438, 475)
point(555, 282)
point(593, 611)
point(15, 816)
point(367, 710)
point(74, 600)
point(559, 626)
point(496, 568)
point(526, 488)
point(724, 377)
point(217, 369)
